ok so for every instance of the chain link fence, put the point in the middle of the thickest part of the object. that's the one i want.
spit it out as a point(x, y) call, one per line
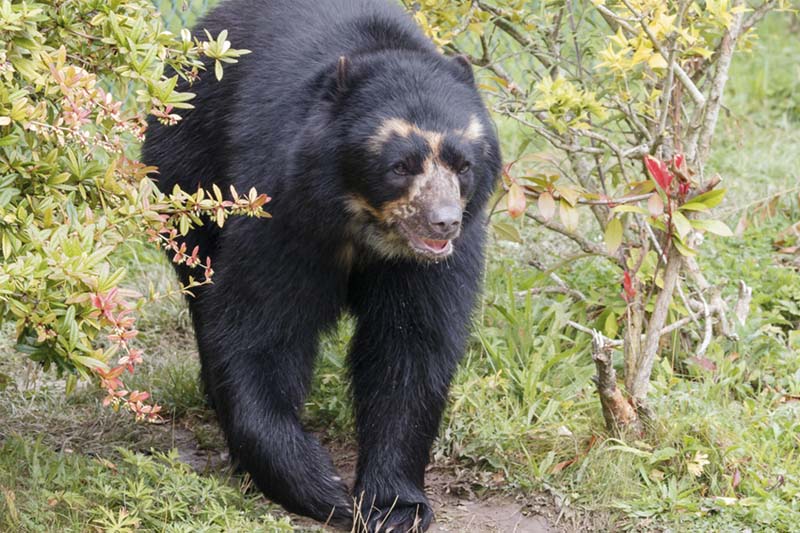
point(179, 14)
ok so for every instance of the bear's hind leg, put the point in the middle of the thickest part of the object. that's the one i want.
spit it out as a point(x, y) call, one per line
point(257, 361)
point(258, 405)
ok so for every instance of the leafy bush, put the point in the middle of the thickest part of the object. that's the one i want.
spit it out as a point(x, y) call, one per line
point(71, 190)
point(612, 107)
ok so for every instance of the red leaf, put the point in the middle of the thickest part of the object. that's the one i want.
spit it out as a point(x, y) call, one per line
point(678, 161)
point(658, 170)
point(137, 396)
point(563, 464)
point(627, 284)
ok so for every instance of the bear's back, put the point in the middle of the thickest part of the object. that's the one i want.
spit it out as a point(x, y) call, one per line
point(291, 42)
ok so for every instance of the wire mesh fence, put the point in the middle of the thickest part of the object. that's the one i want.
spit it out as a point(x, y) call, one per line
point(179, 14)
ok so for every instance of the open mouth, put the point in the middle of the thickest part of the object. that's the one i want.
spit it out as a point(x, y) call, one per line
point(431, 247)
point(426, 247)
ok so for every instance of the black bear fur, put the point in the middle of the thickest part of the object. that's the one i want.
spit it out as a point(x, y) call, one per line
point(303, 118)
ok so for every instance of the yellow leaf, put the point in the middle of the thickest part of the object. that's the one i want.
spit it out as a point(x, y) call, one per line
point(568, 194)
point(641, 54)
point(516, 201)
point(657, 61)
point(569, 215)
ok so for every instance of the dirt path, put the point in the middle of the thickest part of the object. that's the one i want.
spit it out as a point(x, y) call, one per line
point(458, 509)
point(456, 506)
point(493, 515)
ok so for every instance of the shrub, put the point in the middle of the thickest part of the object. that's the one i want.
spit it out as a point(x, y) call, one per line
point(610, 108)
point(71, 190)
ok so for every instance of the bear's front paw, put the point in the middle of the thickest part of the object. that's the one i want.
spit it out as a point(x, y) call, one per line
point(395, 517)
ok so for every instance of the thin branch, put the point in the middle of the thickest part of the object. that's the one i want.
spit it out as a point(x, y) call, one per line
point(509, 29)
point(684, 78)
point(609, 202)
point(757, 15)
point(593, 333)
point(667, 90)
point(644, 366)
point(556, 141)
point(578, 295)
point(701, 349)
point(585, 244)
point(662, 256)
point(727, 48)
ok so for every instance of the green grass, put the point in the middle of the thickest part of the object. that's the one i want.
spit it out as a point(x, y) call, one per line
point(523, 415)
point(46, 490)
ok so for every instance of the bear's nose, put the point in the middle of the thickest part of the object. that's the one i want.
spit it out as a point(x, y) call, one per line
point(445, 219)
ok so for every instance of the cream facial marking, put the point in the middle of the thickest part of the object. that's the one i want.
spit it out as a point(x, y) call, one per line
point(403, 128)
point(406, 225)
point(474, 131)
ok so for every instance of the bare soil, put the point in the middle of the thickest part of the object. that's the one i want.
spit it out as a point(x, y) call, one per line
point(456, 502)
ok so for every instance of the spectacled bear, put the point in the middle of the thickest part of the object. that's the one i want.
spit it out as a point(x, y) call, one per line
point(380, 158)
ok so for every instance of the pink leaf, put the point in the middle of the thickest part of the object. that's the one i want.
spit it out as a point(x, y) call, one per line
point(655, 205)
point(704, 363)
point(516, 201)
point(547, 205)
point(737, 478)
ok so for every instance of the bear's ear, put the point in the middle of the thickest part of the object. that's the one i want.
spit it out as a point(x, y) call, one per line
point(464, 68)
point(342, 68)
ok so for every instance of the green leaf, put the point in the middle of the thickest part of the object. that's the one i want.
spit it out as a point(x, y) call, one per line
point(611, 326)
point(613, 235)
point(682, 248)
point(507, 232)
point(694, 206)
point(184, 225)
point(71, 327)
point(709, 199)
point(90, 362)
point(716, 227)
point(630, 209)
point(9, 140)
point(681, 223)
point(568, 194)
point(71, 382)
point(663, 454)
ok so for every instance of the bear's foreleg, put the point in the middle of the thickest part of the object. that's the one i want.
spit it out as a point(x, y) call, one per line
point(411, 332)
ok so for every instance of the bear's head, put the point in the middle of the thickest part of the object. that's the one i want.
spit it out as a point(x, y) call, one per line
point(419, 156)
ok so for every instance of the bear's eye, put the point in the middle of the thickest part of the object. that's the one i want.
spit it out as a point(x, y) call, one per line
point(400, 169)
point(464, 168)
